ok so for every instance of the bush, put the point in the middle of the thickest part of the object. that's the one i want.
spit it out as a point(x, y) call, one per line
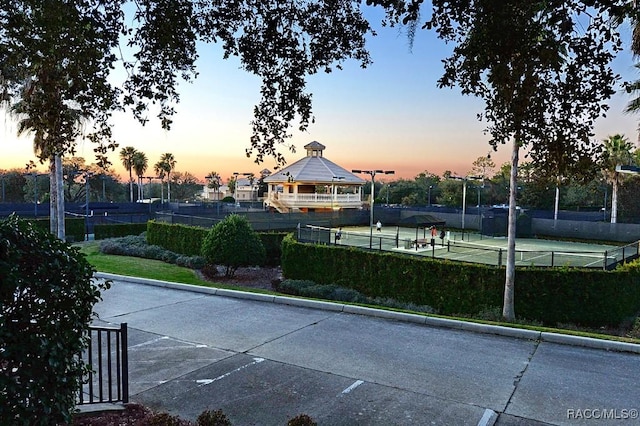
point(232, 243)
point(301, 420)
point(137, 246)
point(306, 288)
point(213, 418)
point(114, 230)
point(47, 297)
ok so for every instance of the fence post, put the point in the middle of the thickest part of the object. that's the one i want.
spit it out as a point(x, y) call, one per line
point(499, 258)
point(125, 362)
point(605, 260)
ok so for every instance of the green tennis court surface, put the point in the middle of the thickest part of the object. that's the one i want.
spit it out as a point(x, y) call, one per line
point(473, 247)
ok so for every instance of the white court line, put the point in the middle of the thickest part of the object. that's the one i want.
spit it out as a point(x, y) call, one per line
point(487, 417)
point(352, 387)
point(203, 382)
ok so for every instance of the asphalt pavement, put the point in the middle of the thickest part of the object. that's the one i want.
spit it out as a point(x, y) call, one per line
point(263, 359)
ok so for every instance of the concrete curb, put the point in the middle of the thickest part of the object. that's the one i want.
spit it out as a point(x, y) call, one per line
point(518, 333)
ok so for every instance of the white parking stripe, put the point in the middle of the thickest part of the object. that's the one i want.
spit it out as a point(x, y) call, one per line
point(487, 418)
point(352, 387)
point(203, 382)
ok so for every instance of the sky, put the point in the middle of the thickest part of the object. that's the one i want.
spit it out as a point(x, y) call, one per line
point(389, 116)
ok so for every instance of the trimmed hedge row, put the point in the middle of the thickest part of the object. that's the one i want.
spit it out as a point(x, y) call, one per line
point(187, 240)
point(551, 295)
point(73, 227)
point(177, 238)
point(116, 230)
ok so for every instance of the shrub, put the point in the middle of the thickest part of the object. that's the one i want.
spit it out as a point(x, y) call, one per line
point(232, 243)
point(46, 302)
point(301, 420)
point(114, 230)
point(213, 418)
point(165, 419)
point(137, 246)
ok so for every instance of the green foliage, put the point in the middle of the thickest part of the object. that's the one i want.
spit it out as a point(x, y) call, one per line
point(213, 418)
point(228, 199)
point(165, 419)
point(306, 288)
point(137, 246)
point(272, 242)
point(183, 240)
point(233, 243)
point(301, 420)
point(74, 228)
point(550, 295)
point(176, 238)
point(114, 230)
point(47, 296)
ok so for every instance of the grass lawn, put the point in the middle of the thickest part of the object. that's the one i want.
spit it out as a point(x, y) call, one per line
point(137, 267)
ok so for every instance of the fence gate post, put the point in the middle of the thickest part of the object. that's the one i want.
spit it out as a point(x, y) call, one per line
point(125, 362)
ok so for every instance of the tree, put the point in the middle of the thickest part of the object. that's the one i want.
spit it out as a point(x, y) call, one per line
point(232, 243)
point(617, 152)
point(213, 182)
point(543, 82)
point(127, 156)
point(158, 168)
point(167, 163)
point(140, 164)
point(185, 186)
point(483, 166)
point(12, 185)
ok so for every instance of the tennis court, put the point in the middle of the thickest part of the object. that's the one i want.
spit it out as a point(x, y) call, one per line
point(473, 247)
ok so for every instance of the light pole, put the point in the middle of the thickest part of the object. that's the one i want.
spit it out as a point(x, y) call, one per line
point(372, 173)
point(86, 176)
point(604, 208)
point(464, 194)
point(235, 186)
point(430, 188)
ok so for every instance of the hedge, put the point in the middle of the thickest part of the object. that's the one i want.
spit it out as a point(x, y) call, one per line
point(187, 240)
point(74, 228)
point(116, 230)
point(550, 295)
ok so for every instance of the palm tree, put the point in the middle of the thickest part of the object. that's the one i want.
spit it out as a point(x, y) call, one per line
point(140, 164)
point(126, 156)
point(47, 131)
point(168, 164)
point(158, 168)
point(617, 152)
point(213, 179)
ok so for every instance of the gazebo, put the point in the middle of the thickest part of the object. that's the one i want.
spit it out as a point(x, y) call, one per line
point(313, 183)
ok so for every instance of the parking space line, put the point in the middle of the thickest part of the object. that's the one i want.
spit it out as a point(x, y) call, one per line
point(488, 418)
point(352, 387)
point(203, 382)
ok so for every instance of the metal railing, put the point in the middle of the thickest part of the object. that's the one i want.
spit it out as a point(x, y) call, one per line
point(108, 360)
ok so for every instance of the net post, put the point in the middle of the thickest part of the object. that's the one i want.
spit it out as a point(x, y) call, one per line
point(500, 258)
point(605, 261)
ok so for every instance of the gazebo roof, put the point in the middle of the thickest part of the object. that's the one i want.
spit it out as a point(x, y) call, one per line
point(316, 169)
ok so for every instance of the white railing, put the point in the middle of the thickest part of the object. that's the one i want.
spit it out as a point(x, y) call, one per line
point(317, 200)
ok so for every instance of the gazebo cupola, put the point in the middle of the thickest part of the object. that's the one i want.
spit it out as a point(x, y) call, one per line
point(314, 149)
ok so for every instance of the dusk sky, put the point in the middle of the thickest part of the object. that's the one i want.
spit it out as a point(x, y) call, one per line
point(389, 116)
